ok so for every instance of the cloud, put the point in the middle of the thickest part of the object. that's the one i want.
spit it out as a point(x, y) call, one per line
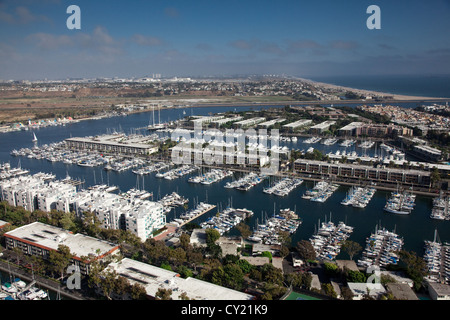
point(46, 41)
point(344, 45)
point(99, 41)
point(21, 15)
point(386, 46)
point(301, 45)
point(171, 12)
point(146, 40)
point(204, 47)
point(243, 44)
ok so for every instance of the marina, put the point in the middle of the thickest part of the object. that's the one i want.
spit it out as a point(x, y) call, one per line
point(246, 182)
point(437, 259)
point(193, 214)
point(17, 289)
point(347, 143)
point(312, 140)
point(321, 191)
point(381, 248)
point(400, 203)
point(176, 173)
point(415, 227)
point(226, 220)
point(268, 231)
point(330, 141)
point(358, 197)
point(329, 238)
point(170, 201)
point(211, 176)
point(283, 187)
point(441, 207)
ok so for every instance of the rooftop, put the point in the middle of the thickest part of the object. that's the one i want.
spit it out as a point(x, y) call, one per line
point(3, 223)
point(440, 289)
point(153, 278)
point(51, 237)
point(401, 291)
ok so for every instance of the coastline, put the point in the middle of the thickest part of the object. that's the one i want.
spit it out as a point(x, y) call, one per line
point(400, 97)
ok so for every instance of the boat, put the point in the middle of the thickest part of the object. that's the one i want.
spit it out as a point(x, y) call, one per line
point(400, 203)
point(34, 137)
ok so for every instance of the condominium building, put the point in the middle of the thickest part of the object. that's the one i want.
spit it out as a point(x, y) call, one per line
point(297, 124)
point(118, 144)
point(40, 239)
point(321, 127)
point(354, 171)
point(140, 217)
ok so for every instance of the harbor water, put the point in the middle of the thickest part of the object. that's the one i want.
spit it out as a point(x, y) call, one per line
point(415, 228)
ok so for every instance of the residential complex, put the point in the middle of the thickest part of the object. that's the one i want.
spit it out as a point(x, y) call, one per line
point(140, 217)
point(39, 239)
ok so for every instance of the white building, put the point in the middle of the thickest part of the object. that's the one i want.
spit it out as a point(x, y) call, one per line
point(48, 196)
point(39, 239)
point(140, 217)
point(154, 278)
point(298, 124)
point(359, 290)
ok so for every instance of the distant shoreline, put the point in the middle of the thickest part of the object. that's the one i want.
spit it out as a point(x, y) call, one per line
point(395, 96)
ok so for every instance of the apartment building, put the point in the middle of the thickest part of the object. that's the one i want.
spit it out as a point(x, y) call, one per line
point(40, 239)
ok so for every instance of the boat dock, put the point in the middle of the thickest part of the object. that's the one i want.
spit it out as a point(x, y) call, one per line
point(268, 232)
point(226, 220)
point(437, 259)
point(193, 214)
point(329, 238)
point(320, 192)
point(283, 187)
point(381, 248)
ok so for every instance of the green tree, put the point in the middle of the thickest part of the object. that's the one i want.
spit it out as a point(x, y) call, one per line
point(137, 291)
point(267, 254)
point(331, 269)
point(233, 277)
point(212, 235)
point(60, 259)
point(415, 267)
point(244, 229)
point(245, 266)
point(351, 248)
point(306, 250)
point(163, 294)
point(185, 240)
point(328, 290)
point(356, 276)
point(272, 274)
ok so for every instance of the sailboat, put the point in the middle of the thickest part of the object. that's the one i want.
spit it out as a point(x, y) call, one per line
point(34, 137)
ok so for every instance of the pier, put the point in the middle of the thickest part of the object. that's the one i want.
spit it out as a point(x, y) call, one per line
point(193, 214)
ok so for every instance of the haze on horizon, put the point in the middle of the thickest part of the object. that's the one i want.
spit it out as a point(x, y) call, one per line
point(211, 38)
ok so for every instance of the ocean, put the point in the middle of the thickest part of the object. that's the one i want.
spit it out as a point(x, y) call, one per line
point(435, 86)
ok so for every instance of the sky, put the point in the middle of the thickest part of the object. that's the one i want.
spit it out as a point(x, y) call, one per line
point(196, 38)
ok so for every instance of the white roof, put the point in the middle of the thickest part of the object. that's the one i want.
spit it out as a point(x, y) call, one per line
point(3, 223)
point(51, 237)
point(153, 278)
point(360, 289)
